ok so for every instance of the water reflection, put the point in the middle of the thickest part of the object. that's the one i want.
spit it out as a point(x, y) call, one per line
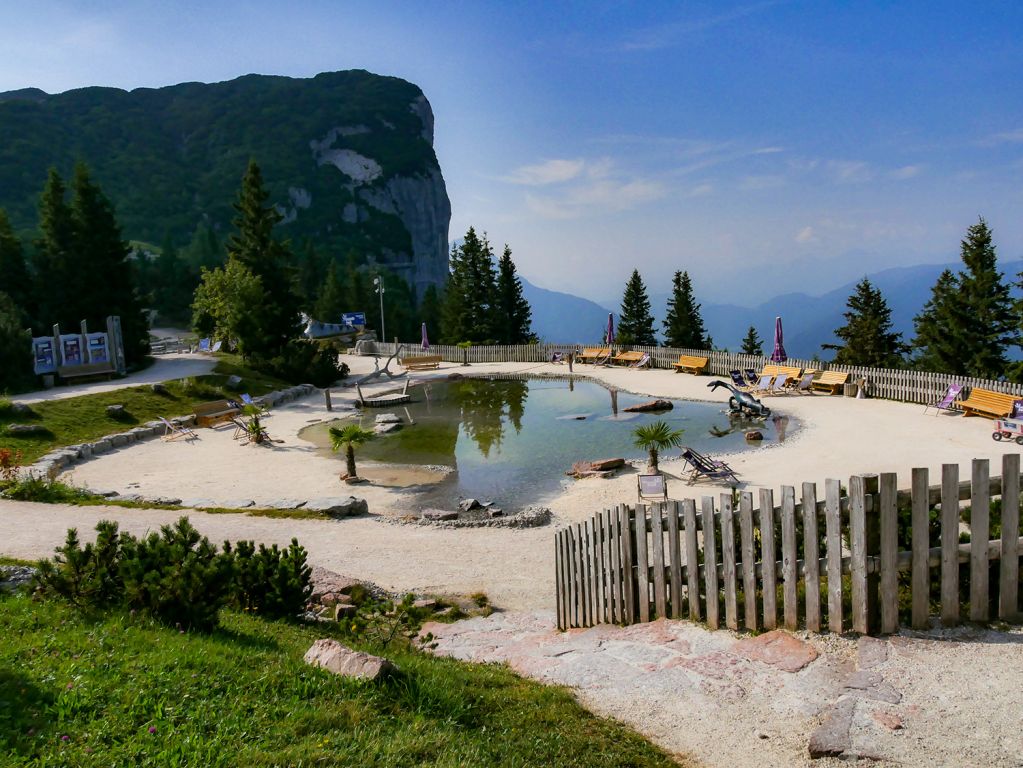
point(486, 406)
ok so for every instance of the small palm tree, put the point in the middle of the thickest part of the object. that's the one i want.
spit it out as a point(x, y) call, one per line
point(348, 437)
point(654, 437)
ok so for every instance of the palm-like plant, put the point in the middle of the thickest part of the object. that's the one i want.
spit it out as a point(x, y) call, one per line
point(654, 437)
point(347, 437)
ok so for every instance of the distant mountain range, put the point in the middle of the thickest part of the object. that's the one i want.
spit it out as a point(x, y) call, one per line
point(809, 321)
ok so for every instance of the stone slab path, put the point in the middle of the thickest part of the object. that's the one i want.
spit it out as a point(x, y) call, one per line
point(778, 698)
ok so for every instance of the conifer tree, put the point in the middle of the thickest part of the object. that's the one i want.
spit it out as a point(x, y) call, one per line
point(14, 277)
point(173, 283)
point(15, 348)
point(470, 295)
point(936, 343)
point(53, 258)
point(513, 315)
point(969, 322)
point(332, 301)
point(867, 338)
point(752, 344)
point(683, 326)
point(103, 277)
point(636, 324)
point(430, 311)
point(254, 246)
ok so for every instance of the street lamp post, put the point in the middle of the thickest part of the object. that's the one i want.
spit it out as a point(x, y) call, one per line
point(380, 290)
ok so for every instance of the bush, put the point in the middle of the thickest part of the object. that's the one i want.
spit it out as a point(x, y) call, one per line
point(307, 362)
point(272, 582)
point(89, 576)
point(43, 489)
point(177, 576)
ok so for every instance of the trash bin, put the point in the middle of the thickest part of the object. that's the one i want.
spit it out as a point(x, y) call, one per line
point(850, 390)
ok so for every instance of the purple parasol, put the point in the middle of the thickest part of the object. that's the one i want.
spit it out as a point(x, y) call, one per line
point(426, 341)
point(609, 337)
point(778, 356)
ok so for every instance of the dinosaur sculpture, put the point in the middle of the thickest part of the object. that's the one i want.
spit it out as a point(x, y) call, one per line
point(742, 402)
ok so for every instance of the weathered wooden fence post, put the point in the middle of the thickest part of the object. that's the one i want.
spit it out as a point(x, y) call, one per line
point(1008, 595)
point(949, 544)
point(873, 521)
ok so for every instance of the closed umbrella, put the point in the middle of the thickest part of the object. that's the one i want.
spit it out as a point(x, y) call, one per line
point(426, 341)
point(609, 337)
point(778, 356)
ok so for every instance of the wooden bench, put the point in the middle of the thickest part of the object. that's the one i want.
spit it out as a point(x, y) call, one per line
point(627, 358)
point(208, 414)
point(691, 364)
point(991, 405)
point(421, 362)
point(592, 354)
point(86, 369)
point(831, 381)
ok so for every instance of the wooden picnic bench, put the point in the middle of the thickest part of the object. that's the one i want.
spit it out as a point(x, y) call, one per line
point(421, 362)
point(691, 364)
point(86, 369)
point(991, 405)
point(214, 412)
point(627, 358)
point(592, 354)
point(831, 381)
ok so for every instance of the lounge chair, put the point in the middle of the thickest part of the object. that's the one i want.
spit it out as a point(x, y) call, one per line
point(946, 403)
point(803, 386)
point(557, 358)
point(984, 402)
point(173, 431)
point(628, 358)
point(832, 381)
point(778, 384)
point(751, 377)
point(204, 345)
point(644, 362)
point(247, 400)
point(216, 347)
point(701, 467)
point(738, 379)
point(764, 385)
point(593, 354)
point(241, 429)
point(652, 487)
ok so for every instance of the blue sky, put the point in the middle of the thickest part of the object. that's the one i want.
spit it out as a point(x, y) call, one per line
point(763, 146)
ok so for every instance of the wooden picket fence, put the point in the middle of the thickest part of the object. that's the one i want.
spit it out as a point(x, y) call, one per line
point(867, 558)
point(891, 384)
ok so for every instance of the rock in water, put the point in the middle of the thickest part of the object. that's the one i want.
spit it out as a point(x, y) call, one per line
point(754, 434)
point(342, 660)
point(603, 465)
point(649, 406)
point(387, 418)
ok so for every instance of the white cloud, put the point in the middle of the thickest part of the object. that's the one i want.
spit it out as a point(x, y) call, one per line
point(549, 172)
point(1014, 136)
point(593, 196)
point(701, 190)
point(906, 172)
point(670, 34)
point(850, 171)
point(763, 181)
point(806, 235)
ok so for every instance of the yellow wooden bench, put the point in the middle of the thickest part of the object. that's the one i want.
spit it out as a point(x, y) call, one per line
point(208, 414)
point(421, 362)
point(691, 364)
point(991, 405)
point(831, 381)
point(627, 358)
point(592, 354)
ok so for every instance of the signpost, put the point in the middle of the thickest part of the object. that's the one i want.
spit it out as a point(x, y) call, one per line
point(356, 319)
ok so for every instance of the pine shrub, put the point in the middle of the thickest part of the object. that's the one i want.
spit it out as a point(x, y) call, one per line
point(88, 577)
point(272, 582)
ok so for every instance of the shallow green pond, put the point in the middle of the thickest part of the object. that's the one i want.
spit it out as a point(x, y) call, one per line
point(513, 441)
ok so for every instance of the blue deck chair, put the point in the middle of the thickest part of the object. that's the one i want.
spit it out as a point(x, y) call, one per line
point(751, 377)
point(703, 467)
point(947, 400)
point(738, 379)
point(247, 400)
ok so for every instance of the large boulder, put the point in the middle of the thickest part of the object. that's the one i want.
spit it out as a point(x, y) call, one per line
point(338, 506)
point(650, 405)
point(341, 660)
point(26, 430)
point(603, 465)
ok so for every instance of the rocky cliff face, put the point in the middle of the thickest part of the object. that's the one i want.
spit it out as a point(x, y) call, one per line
point(347, 157)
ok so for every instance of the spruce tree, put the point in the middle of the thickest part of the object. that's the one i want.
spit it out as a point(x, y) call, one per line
point(103, 278)
point(968, 324)
point(254, 246)
point(936, 343)
point(988, 305)
point(867, 338)
point(752, 344)
point(15, 348)
point(636, 324)
point(683, 326)
point(53, 258)
point(332, 301)
point(469, 299)
point(173, 283)
point(15, 280)
point(430, 311)
point(513, 314)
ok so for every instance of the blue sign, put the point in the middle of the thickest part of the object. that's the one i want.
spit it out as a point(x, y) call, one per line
point(354, 318)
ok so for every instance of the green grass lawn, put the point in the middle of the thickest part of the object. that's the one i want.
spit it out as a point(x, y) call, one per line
point(121, 690)
point(76, 420)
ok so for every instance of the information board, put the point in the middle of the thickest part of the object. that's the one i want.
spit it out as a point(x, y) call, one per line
point(354, 318)
point(71, 352)
point(44, 354)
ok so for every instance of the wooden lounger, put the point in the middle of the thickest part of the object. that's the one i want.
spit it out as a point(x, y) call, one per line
point(593, 354)
point(421, 362)
point(627, 358)
point(991, 405)
point(691, 364)
point(831, 381)
point(208, 414)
